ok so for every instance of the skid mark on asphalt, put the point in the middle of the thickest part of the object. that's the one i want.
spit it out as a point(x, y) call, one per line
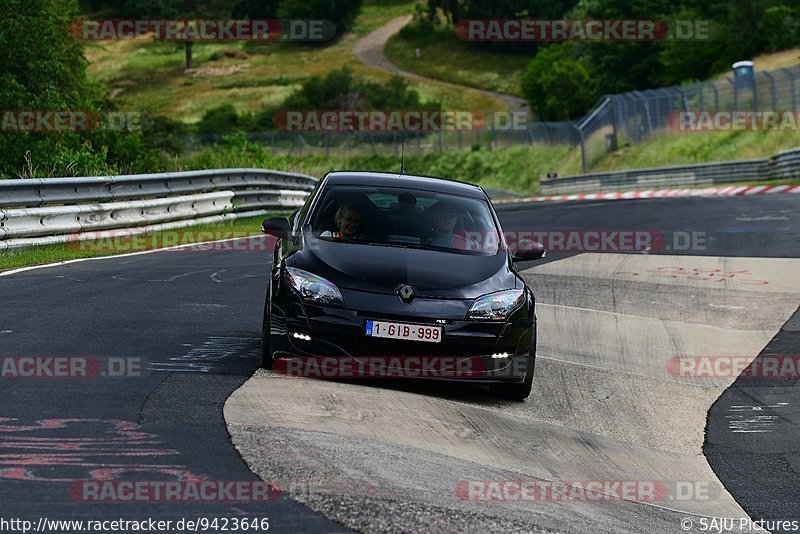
point(754, 418)
point(177, 276)
point(605, 404)
point(210, 356)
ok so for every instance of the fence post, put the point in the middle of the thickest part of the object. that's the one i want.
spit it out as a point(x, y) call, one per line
point(583, 148)
point(716, 96)
point(771, 79)
point(646, 110)
point(754, 84)
point(735, 93)
point(792, 88)
point(665, 118)
point(699, 87)
point(612, 102)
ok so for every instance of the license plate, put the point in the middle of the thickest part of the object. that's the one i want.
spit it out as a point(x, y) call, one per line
point(410, 332)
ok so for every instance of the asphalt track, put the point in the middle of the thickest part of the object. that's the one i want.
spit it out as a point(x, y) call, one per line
point(388, 457)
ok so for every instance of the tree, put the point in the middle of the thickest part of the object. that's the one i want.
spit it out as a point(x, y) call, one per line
point(42, 68)
point(342, 13)
point(558, 86)
point(781, 25)
point(178, 9)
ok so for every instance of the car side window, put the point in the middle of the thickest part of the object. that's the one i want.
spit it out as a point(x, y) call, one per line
point(301, 214)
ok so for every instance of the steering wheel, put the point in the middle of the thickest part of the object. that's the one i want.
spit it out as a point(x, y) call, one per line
point(455, 241)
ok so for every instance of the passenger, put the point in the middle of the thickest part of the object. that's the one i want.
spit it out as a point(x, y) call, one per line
point(349, 220)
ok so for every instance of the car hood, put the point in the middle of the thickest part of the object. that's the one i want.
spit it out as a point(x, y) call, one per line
point(380, 269)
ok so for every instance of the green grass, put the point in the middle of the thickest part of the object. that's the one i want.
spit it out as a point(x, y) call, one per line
point(150, 76)
point(517, 168)
point(376, 13)
point(677, 149)
point(40, 255)
point(443, 56)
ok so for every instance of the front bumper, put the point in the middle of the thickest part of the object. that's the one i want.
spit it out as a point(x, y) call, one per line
point(318, 341)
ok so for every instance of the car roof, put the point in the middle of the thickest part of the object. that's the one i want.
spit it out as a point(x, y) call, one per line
point(410, 181)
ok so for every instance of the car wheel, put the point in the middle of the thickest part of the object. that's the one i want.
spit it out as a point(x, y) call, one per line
point(518, 392)
point(266, 350)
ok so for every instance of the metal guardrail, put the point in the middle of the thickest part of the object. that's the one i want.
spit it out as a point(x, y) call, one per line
point(52, 210)
point(784, 165)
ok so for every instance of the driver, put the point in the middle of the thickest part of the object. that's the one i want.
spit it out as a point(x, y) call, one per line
point(348, 222)
point(444, 218)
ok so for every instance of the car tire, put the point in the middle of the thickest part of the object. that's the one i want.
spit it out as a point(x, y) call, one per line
point(266, 349)
point(521, 391)
point(518, 392)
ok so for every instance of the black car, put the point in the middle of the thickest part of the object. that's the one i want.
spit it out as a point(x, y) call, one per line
point(402, 276)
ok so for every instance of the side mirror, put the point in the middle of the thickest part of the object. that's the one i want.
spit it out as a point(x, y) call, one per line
point(528, 250)
point(277, 226)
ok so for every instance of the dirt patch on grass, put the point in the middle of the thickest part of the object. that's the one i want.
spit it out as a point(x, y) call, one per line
point(217, 71)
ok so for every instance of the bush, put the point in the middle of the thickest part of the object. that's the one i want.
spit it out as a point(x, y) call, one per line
point(557, 86)
point(221, 120)
point(340, 89)
point(165, 134)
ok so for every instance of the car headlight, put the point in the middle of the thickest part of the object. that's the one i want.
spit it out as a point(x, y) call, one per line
point(496, 306)
point(314, 288)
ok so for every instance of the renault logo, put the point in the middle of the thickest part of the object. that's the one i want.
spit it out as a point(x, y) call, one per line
point(406, 292)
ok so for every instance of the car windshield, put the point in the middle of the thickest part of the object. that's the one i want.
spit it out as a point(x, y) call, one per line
point(406, 217)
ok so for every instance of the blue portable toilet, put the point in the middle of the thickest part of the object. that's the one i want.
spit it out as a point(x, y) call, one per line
point(744, 77)
point(743, 71)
